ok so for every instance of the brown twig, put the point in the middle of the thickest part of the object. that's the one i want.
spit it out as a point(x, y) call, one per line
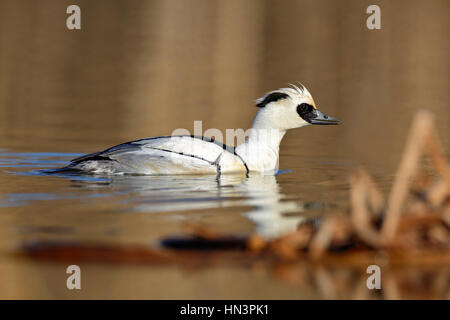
point(422, 138)
point(362, 191)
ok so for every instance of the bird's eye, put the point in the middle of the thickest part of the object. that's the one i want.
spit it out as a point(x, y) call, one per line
point(304, 107)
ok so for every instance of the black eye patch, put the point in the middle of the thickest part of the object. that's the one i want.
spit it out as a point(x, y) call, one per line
point(306, 112)
point(274, 96)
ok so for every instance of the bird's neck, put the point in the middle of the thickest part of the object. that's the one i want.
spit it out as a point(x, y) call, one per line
point(261, 149)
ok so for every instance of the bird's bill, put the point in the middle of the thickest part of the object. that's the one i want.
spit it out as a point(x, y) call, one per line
point(324, 119)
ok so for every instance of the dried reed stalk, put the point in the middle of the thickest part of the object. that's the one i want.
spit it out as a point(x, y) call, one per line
point(364, 192)
point(422, 139)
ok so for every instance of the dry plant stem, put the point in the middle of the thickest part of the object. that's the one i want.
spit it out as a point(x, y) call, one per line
point(421, 128)
point(436, 152)
point(374, 195)
point(361, 185)
point(322, 239)
point(438, 192)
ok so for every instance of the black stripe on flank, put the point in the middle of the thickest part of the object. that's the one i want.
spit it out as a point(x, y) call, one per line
point(186, 154)
point(207, 139)
point(90, 157)
point(220, 144)
point(271, 97)
point(243, 162)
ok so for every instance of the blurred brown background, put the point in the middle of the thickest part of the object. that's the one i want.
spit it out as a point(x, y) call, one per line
point(143, 68)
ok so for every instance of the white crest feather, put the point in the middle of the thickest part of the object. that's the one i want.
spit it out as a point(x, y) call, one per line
point(296, 88)
point(301, 90)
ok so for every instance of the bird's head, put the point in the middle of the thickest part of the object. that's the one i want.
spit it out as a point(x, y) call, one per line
point(290, 108)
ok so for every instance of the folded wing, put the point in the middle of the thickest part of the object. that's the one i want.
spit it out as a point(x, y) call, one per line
point(163, 155)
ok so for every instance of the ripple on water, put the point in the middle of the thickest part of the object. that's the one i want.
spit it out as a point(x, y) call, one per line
point(277, 203)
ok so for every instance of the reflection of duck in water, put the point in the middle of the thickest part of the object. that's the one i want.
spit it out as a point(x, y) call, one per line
point(279, 111)
point(269, 213)
point(180, 193)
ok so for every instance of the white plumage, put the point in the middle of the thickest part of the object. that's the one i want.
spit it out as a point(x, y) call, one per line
point(279, 111)
point(163, 155)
